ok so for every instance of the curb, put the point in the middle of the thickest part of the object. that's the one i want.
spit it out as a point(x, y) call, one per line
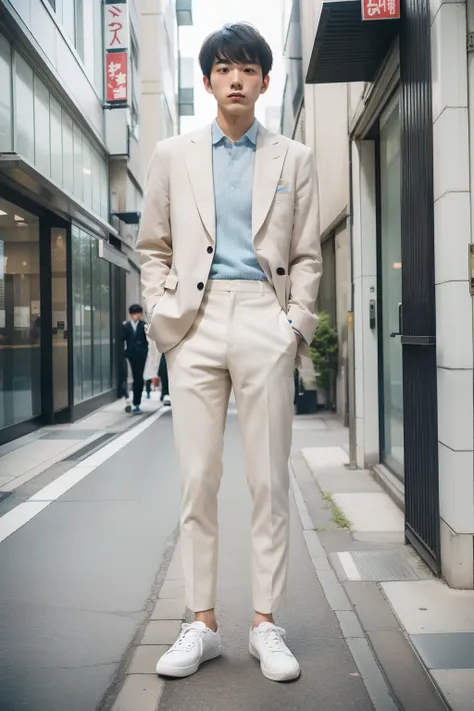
point(142, 688)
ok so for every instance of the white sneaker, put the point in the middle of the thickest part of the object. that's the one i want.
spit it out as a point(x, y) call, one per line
point(196, 644)
point(276, 661)
point(166, 401)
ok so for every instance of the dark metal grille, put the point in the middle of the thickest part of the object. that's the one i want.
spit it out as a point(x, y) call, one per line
point(418, 284)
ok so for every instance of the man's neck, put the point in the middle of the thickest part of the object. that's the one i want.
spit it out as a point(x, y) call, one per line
point(235, 127)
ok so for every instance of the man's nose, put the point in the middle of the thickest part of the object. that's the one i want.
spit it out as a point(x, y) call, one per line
point(236, 79)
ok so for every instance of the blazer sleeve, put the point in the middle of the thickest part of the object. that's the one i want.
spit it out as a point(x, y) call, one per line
point(154, 244)
point(305, 265)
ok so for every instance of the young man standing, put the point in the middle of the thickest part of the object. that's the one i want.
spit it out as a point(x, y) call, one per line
point(136, 351)
point(230, 254)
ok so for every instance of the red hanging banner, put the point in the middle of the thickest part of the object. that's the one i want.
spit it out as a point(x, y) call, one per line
point(380, 9)
point(116, 45)
point(117, 77)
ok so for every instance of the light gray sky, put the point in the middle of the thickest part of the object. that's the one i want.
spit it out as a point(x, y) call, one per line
point(208, 16)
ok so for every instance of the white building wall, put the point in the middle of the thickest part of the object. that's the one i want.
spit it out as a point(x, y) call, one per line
point(454, 334)
point(159, 70)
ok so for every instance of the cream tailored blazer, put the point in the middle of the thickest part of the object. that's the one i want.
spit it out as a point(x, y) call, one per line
point(178, 231)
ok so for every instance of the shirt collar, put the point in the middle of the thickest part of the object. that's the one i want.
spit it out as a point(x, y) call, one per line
point(251, 135)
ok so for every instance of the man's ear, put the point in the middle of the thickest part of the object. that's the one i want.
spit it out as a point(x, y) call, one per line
point(207, 85)
point(265, 84)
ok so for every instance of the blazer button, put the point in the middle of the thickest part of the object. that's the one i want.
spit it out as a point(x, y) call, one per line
point(200, 286)
point(281, 271)
point(210, 250)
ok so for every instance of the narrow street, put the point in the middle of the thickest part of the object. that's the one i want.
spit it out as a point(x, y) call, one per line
point(81, 579)
point(76, 579)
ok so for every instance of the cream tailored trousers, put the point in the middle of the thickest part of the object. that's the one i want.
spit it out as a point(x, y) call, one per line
point(241, 339)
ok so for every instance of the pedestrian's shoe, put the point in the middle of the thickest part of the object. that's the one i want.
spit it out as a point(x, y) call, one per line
point(128, 405)
point(136, 411)
point(196, 644)
point(166, 401)
point(148, 395)
point(276, 661)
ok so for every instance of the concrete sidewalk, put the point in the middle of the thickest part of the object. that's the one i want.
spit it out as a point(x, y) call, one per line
point(24, 459)
point(352, 651)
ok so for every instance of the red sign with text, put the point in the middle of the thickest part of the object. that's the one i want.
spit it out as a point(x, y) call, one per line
point(380, 9)
point(117, 79)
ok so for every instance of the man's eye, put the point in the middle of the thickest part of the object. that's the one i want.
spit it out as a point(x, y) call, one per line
point(249, 70)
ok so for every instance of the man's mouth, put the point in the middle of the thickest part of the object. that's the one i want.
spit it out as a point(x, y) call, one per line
point(236, 95)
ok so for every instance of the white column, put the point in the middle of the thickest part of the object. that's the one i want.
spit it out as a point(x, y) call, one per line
point(454, 331)
point(365, 289)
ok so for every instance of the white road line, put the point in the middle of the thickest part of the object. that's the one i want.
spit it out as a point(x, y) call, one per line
point(349, 566)
point(21, 514)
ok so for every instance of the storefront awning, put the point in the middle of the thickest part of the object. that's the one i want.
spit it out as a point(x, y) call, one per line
point(22, 176)
point(346, 48)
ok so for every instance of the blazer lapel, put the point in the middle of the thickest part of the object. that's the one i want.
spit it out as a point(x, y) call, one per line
point(199, 166)
point(269, 159)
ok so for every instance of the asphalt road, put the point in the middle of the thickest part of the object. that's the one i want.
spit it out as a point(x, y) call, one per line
point(75, 580)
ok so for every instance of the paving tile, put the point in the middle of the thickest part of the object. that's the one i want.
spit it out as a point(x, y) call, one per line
point(371, 674)
point(141, 692)
point(371, 512)
point(431, 606)
point(161, 632)
point(457, 685)
point(333, 590)
point(409, 681)
point(445, 651)
point(169, 609)
point(145, 658)
point(372, 609)
point(346, 481)
point(349, 624)
point(325, 457)
point(172, 589)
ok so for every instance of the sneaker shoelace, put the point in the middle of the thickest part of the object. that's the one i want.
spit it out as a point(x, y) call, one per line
point(187, 639)
point(273, 638)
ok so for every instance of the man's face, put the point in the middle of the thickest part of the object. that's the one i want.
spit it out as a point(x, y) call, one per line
point(236, 87)
point(136, 317)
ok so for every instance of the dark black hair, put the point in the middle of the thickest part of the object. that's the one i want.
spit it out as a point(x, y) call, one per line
point(135, 309)
point(240, 43)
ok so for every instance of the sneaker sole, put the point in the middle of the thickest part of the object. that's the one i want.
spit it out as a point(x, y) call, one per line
point(169, 670)
point(289, 676)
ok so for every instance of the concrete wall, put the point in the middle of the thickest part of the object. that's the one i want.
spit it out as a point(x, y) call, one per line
point(454, 333)
point(159, 117)
point(79, 78)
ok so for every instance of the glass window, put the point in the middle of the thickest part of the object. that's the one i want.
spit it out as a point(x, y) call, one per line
point(56, 141)
point(78, 162)
point(69, 19)
point(20, 315)
point(24, 110)
point(42, 128)
point(87, 172)
point(96, 320)
point(391, 376)
point(79, 19)
point(5, 95)
point(59, 318)
point(96, 161)
point(77, 312)
point(91, 306)
point(86, 299)
point(105, 323)
point(68, 154)
point(104, 191)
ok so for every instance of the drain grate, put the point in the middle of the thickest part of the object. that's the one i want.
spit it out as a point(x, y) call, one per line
point(88, 448)
point(383, 566)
